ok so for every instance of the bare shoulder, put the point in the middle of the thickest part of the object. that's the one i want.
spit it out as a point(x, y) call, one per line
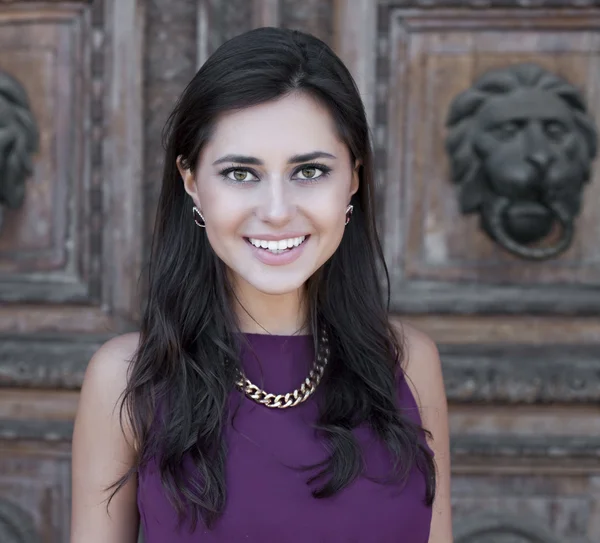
point(423, 371)
point(116, 353)
point(422, 366)
point(105, 378)
point(103, 449)
point(421, 352)
point(110, 363)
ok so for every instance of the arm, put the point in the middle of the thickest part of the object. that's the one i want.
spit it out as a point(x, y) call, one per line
point(102, 451)
point(424, 374)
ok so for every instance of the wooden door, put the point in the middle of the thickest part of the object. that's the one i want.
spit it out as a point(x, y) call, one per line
point(70, 252)
point(519, 340)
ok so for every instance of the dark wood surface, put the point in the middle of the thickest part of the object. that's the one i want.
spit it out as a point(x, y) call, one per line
point(71, 256)
point(519, 341)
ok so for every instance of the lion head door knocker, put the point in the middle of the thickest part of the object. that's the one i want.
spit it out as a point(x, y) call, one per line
point(521, 144)
point(19, 139)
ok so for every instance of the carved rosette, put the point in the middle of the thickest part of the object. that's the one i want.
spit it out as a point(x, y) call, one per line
point(19, 140)
point(521, 144)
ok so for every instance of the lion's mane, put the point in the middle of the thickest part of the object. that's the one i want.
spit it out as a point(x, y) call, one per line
point(19, 139)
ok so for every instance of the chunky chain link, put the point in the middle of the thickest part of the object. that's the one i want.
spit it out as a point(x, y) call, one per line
point(291, 399)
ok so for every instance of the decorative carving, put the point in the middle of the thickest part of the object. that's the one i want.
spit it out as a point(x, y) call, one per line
point(35, 430)
point(16, 525)
point(560, 450)
point(45, 363)
point(521, 374)
point(501, 529)
point(520, 143)
point(19, 139)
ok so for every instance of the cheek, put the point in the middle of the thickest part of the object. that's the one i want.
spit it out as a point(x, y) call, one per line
point(326, 211)
point(219, 231)
point(223, 215)
point(567, 149)
point(328, 220)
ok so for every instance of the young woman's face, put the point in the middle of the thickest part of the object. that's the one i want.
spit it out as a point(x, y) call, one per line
point(273, 185)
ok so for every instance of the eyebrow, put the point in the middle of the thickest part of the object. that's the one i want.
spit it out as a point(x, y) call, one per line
point(242, 159)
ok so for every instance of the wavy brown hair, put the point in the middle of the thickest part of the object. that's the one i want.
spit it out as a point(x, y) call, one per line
point(187, 358)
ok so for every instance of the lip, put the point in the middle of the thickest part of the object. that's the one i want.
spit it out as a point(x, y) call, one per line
point(271, 259)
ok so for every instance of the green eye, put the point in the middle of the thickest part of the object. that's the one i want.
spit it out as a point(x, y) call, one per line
point(312, 172)
point(239, 175)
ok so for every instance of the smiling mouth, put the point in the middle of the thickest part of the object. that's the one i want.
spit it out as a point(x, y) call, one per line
point(277, 247)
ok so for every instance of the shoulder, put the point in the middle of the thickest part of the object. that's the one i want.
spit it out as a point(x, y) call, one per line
point(110, 363)
point(115, 351)
point(106, 376)
point(421, 365)
point(423, 371)
point(103, 449)
point(421, 352)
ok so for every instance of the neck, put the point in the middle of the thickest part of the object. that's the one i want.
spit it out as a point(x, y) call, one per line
point(277, 314)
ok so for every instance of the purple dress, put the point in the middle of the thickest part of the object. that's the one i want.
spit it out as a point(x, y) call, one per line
point(267, 499)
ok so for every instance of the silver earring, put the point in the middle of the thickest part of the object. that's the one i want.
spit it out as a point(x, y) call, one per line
point(196, 211)
point(349, 210)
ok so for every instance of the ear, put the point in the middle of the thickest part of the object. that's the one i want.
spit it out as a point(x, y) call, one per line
point(189, 181)
point(355, 178)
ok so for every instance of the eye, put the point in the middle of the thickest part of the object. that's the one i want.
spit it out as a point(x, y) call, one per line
point(555, 130)
point(311, 172)
point(507, 130)
point(241, 175)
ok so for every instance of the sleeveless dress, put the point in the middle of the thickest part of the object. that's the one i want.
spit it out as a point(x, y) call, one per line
point(267, 496)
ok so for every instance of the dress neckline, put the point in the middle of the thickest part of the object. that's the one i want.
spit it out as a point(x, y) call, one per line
point(280, 336)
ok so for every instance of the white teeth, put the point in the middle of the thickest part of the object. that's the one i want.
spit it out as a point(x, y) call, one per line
point(277, 246)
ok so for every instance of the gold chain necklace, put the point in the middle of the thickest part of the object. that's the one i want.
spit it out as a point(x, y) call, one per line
point(291, 399)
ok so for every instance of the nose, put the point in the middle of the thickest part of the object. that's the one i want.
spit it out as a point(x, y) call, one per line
point(276, 206)
point(538, 147)
point(541, 159)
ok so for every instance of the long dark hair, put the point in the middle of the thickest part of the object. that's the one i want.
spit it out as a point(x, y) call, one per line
point(187, 357)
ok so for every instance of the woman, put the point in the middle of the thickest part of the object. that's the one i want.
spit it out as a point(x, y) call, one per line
point(264, 280)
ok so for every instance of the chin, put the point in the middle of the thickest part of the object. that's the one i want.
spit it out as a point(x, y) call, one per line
point(276, 288)
point(274, 282)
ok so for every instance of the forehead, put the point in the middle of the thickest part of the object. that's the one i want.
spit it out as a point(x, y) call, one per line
point(524, 104)
point(287, 126)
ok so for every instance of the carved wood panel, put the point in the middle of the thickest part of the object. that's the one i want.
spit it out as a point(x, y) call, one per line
point(34, 487)
point(524, 508)
point(440, 259)
point(521, 375)
point(70, 255)
point(43, 237)
point(72, 251)
point(518, 340)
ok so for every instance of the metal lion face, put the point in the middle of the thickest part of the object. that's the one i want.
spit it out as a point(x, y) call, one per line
point(19, 139)
point(521, 144)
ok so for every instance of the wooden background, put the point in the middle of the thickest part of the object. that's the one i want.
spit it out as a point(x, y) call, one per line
point(520, 342)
